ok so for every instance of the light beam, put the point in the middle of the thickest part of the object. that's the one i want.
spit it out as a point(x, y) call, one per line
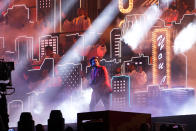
point(141, 27)
point(185, 39)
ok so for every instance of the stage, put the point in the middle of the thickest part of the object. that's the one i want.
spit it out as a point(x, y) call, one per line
point(145, 50)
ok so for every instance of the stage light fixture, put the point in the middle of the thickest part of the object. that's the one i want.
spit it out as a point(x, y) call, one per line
point(56, 121)
point(26, 122)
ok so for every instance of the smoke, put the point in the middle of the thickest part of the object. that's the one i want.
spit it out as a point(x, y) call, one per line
point(185, 44)
point(79, 103)
point(76, 102)
point(185, 39)
point(141, 27)
point(3, 4)
point(98, 26)
point(179, 70)
point(191, 67)
point(186, 110)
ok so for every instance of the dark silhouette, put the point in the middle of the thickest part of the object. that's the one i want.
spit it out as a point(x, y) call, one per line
point(26, 123)
point(56, 121)
point(39, 127)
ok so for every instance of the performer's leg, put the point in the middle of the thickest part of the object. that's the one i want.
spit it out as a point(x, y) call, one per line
point(95, 97)
point(106, 100)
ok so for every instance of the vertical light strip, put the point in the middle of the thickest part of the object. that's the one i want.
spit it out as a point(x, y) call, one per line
point(186, 70)
point(154, 55)
point(121, 8)
point(129, 91)
point(54, 15)
point(18, 50)
point(39, 48)
point(60, 9)
point(3, 42)
point(27, 47)
point(80, 3)
point(168, 57)
point(28, 40)
point(36, 10)
point(32, 53)
point(195, 4)
point(154, 58)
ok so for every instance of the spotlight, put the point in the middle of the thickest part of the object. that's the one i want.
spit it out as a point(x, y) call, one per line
point(56, 121)
point(26, 123)
point(141, 26)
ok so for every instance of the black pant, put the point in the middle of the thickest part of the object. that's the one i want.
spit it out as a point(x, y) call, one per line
point(96, 96)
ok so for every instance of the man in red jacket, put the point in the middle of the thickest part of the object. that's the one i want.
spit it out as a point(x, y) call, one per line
point(100, 84)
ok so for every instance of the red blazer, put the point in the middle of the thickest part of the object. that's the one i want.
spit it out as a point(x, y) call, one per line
point(100, 80)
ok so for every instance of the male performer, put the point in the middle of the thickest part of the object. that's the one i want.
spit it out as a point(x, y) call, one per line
point(100, 84)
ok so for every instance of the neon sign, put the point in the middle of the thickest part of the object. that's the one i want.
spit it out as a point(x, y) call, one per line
point(127, 10)
point(161, 56)
point(130, 7)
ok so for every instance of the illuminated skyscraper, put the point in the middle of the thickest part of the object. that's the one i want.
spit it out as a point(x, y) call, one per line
point(24, 47)
point(71, 76)
point(140, 60)
point(46, 9)
point(121, 98)
point(115, 44)
point(48, 40)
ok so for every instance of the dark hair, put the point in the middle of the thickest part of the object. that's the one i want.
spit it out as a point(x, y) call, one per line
point(49, 48)
point(91, 60)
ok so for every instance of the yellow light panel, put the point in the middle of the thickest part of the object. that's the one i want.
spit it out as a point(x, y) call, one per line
point(155, 55)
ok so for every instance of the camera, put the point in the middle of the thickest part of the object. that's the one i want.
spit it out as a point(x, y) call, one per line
point(5, 70)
